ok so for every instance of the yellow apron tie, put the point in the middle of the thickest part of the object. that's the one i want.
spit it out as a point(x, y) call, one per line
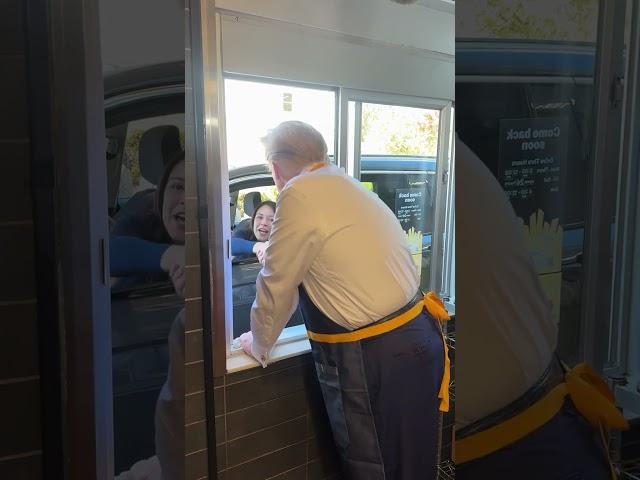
point(436, 309)
point(434, 306)
point(587, 390)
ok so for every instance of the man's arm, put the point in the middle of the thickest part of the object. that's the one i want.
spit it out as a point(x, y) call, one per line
point(295, 241)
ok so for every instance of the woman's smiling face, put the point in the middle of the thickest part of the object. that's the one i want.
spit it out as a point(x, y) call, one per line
point(262, 223)
point(173, 204)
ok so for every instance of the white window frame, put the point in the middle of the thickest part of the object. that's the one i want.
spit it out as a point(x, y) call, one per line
point(210, 138)
point(349, 158)
point(292, 340)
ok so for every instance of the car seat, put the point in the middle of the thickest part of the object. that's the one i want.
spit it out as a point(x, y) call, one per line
point(251, 202)
point(157, 146)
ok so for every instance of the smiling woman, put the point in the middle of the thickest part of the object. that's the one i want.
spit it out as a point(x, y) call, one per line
point(171, 199)
point(150, 244)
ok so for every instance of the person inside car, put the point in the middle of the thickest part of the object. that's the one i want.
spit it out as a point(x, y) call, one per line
point(246, 242)
point(149, 245)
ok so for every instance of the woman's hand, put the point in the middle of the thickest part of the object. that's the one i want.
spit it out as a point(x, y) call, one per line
point(172, 257)
point(178, 278)
point(259, 249)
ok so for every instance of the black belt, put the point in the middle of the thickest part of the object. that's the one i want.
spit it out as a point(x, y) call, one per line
point(418, 296)
point(551, 377)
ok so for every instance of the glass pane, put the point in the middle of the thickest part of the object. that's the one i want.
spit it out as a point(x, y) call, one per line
point(132, 179)
point(398, 150)
point(145, 305)
point(552, 121)
point(252, 108)
point(561, 20)
point(396, 130)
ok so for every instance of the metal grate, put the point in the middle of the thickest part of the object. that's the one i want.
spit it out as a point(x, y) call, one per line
point(447, 471)
point(630, 470)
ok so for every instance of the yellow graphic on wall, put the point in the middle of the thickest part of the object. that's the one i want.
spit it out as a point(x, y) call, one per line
point(544, 242)
point(414, 238)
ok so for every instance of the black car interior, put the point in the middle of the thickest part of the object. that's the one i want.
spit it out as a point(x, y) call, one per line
point(141, 317)
point(157, 146)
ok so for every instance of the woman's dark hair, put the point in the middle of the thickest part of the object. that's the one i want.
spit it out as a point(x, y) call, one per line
point(255, 212)
point(162, 184)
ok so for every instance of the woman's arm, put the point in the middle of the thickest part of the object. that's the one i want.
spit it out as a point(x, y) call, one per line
point(132, 255)
point(240, 246)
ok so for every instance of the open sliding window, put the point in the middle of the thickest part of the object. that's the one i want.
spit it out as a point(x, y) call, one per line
point(252, 108)
point(365, 92)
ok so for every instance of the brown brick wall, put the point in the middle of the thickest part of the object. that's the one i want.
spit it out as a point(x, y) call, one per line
point(20, 437)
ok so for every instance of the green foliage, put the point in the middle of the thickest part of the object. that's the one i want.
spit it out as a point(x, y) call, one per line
point(563, 20)
point(130, 159)
point(266, 193)
point(398, 130)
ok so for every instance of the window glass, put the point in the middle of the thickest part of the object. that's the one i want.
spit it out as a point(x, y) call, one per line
point(132, 178)
point(145, 305)
point(553, 182)
point(398, 150)
point(397, 130)
point(242, 206)
point(252, 108)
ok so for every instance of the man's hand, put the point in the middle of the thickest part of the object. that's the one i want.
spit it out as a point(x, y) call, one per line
point(246, 340)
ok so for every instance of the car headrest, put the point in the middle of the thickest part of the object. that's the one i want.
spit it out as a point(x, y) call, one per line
point(251, 201)
point(157, 146)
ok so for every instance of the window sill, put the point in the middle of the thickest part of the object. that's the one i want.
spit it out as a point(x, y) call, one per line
point(292, 342)
point(450, 307)
point(628, 398)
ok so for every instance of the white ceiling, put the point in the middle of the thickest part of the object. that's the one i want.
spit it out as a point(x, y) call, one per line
point(143, 32)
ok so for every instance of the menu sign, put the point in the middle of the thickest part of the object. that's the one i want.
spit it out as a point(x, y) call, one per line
point(409, 209)
point(532, 163)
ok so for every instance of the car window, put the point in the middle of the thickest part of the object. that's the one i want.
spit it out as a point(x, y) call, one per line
point(144, 304)
point(265, 192)
point(132, 179)
point(246, 267)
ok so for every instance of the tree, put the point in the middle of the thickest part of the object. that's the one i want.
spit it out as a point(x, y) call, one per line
point(131, 160)
point(562, 20)
point(397, 130)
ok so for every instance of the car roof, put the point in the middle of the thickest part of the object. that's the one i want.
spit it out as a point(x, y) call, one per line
point(523, 58)
point(249, 171)
point(143, 78)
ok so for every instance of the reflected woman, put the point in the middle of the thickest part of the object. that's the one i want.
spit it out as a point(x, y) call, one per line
point(149, 245)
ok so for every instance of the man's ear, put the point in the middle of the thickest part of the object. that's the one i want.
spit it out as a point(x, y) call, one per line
point(277, 173)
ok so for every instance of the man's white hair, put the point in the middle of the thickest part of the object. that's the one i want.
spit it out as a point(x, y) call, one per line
point(297, 142)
